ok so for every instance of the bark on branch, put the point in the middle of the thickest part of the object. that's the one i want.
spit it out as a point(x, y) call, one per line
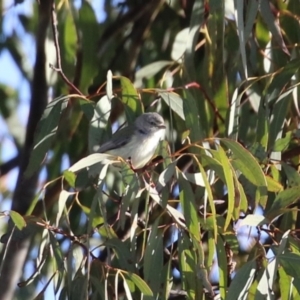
point(26, 187)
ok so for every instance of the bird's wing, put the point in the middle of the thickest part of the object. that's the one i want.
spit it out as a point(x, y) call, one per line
point(118, 139)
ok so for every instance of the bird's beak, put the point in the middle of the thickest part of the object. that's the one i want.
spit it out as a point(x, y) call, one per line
point(162, 126)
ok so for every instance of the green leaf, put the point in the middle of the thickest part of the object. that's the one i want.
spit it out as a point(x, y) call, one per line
point(198, 179)
point(273, 185)
point(187, 263)
point(97, 274)
point(296, 288)
point(99, 124)
point(167, 280)
point(140, 283)
point(253, 220)
point(234, 115)
point(125, 256)
point(228, 174)
point(272, 24)
point(131, 100)
point(214, 163)
point(152, 69)
point(87, 107)
point(282, 201)
point(127, 289)
point(279, 112)
point(191, 113)
point(174, 101)
point(205, 280)
point(283, 143)
point(56, 252)
point(285, 283)
point(79, 287)
point(222, 266)
point(106, 232)
point(258, 151)
point(290, 262)
point(82, 179)
point(179, 44)
point(239, 7)
point(176, 215)
point(35, 201)
point(70, 177)
point(131, 185)
point(46, 130)
point(68, 37)
point(267, 279)
point(164, 150)
point(293, 177)
point(243, 200)
point(232, 241)
point(166, 175)
point(88, 25)
point(97, 213)
point(153, 258)
point(263, 125)
point(246, 163)
point(17, 219)
point(211, 247)
point(63, 197)
point(281, 79)
point(242, 281)
point(252, 9)
point(187, 200)
point(109, 85)
point(197, 18)
point(91, 160)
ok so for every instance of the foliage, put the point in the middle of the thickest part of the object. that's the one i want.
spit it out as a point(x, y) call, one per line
point(216, 212)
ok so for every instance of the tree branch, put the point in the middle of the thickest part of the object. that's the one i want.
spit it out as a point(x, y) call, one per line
point(57, 49)
point(25, 190)
point(9, 165)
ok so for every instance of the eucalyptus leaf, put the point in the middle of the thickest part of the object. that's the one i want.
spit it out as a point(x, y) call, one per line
point(45, 133)
point(17, 219)
point(282, 201)
point(131, 100)
point(175, 102)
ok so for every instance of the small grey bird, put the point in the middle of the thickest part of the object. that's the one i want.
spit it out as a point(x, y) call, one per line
point(137, 141)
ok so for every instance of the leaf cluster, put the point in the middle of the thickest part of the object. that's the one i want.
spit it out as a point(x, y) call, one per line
point(216, 210)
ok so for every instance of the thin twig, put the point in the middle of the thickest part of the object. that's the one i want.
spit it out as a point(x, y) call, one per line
point(57, 49)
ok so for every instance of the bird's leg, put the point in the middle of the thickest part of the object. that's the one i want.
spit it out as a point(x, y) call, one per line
point(143, 170)
point(130, 164)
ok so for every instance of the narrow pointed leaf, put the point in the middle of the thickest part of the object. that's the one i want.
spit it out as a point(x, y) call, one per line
point(282, 201)
point(45, 133)
point(130, 97)
point(17, 219)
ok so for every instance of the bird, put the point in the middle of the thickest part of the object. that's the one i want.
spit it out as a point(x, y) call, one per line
point(137, 142)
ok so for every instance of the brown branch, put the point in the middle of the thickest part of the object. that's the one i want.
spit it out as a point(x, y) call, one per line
point(25, 190)
point(57, 50)
point(9, 165)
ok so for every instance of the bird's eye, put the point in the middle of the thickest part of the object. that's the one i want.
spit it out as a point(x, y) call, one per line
point(153, 123)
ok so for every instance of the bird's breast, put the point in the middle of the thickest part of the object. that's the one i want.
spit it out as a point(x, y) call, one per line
point(145, 149)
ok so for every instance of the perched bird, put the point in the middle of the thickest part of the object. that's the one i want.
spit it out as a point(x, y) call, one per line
point(138, 141)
